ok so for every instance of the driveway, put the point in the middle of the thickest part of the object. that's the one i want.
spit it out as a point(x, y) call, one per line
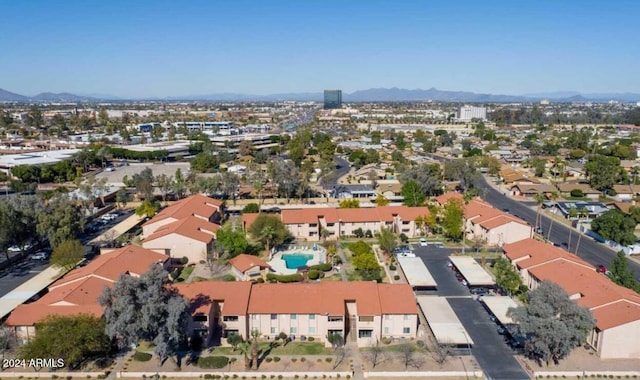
point(490, 350)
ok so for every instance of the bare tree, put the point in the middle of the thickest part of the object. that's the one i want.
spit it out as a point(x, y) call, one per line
point(340, 354)
point(441, 352)
point(406, 354)
point(375, 354)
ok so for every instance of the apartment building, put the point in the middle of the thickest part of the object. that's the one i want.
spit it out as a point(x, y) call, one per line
point(187, 228)
point(495, 227)
point(78, 291)
point(616, 309)
point(309, 223)
point(360, 311)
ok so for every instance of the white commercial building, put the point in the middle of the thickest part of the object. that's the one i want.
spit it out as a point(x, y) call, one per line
point(467, 113)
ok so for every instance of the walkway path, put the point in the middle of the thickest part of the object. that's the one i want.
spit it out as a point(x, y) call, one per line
point(343, 270)
point(356, 359)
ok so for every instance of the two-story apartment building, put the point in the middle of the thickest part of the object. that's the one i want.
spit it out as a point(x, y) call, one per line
point(616, 309)
point(77, 292)
point(495, 227)
point(187, 228)
point(309, 223)
point(361, 311)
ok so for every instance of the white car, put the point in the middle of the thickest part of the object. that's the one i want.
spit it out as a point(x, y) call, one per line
point(423, 242)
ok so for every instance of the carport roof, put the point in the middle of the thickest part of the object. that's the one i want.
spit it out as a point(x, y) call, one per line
point(499, 305)
point(443, 321)
point(416, 272)
point(472, 271)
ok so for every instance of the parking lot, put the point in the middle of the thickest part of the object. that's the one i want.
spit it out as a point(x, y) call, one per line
point(115, 177)
point(490, 349)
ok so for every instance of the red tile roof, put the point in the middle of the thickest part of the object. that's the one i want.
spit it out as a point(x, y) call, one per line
point(195, 205)
point(78, 291)
point(191, 227)
point(234, 295)
point(611, 304)
point(479, 212)
point(244, 262)
point(444, 198)
point(352, 215)
point(249, 218)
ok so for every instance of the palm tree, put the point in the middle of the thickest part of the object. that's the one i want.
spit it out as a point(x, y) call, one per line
point(573, 213)
point(245, 349)
point(582, 213)
point(539, 198)
point(554, 196)
point(255, 334)
point(267, 236)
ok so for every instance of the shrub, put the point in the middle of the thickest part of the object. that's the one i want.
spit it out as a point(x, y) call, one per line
point(184, 260)
point(303, 359)
point(293, 360)
point(314, 274)
point(420, 343)
point(321, 267)
point(276, 359)
point(228, 277)
point(296, 277)
point(311, 339)
point(392, 267)
point(141, 356)
point(328, 360)
point(386, 340)
point(269, 359)
point(396, 277)
point(202, 262)
point(213, 362)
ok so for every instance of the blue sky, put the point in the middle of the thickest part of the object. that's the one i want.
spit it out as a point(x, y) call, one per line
point(169, 48)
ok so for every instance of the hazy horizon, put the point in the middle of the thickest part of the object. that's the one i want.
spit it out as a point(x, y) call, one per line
point(160, 49)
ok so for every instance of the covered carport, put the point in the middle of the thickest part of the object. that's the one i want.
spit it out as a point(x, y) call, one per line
point(443, 321)
point(473, 273)
point(499, 306)
point(416, 273)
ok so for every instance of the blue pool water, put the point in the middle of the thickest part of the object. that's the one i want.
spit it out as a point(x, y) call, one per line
point(296, 260)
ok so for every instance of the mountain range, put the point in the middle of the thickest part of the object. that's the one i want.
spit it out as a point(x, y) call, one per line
point(371, 95)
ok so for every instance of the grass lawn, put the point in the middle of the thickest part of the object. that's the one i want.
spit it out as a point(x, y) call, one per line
point(302, 348)
point(144, 346)
point(293, 348)
point(333, 277)
point(186, 272)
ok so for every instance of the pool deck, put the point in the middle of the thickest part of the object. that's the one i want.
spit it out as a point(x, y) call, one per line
point(279, 266)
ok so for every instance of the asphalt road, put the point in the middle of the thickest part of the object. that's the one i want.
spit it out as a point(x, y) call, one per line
point(17, 274)
point(342, 168)
point(490, 350)
point(589, 249)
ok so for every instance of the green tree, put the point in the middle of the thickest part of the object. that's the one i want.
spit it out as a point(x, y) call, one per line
point(381, 200)
point(387, 240)
point(231, 240)
point(615, 225)
point(147, 308)
point(603, 171)
point(552, 323)
point(251, 208)
point(67, 254)
point(621, 274)
point(506, 276)
point(148, 208)
point(204, 162)
point(60, 220)
point(74, 339)
point(269, 230)
point(350, 203)
point(452, 221)
point(412, 194)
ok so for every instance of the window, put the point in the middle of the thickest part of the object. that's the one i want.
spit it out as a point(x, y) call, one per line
point(366, 318)
point(254, 317)
point(387, 317)
point(406, 330)
point(365, 333)
point(335, 318)
point(274, 316)
point(273, 330)
point(230, 318)
point(294, 316)
point(200, 318)
point(406, 317)
point(312, 330)
point(293, 330)
point(330, 224)
point(386, 331)
point(312, 316)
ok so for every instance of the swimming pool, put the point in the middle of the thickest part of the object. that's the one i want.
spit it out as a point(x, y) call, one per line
point(296, 260)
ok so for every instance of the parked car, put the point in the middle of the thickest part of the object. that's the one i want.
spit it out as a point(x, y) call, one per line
point(42, 255)
point(539, 231)
point(423, 242)
point(501, 330)
point(601, 269)
point(479, 291)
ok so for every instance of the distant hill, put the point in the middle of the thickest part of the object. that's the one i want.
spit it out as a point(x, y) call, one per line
point(371, 95)
point(62, 97)
point(6, 96)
